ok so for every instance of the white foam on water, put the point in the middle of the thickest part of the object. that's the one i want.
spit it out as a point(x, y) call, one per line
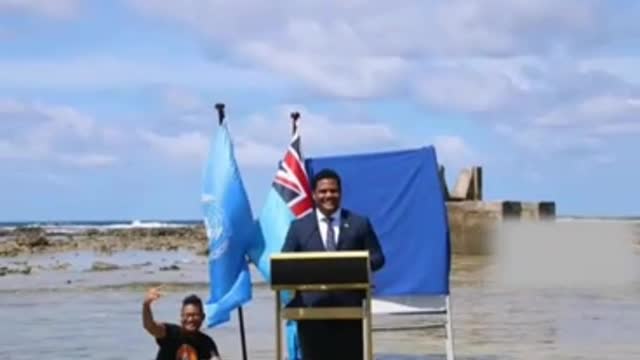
point(71, 228)
point(144, 225)
point(574, 254)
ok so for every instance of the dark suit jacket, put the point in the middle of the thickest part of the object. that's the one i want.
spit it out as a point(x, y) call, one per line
point(356, 233)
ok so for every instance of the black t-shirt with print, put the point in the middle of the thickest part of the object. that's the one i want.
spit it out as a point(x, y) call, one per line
point(177, 345)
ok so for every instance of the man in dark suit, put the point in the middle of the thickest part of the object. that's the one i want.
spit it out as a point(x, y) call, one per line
point(331, 228)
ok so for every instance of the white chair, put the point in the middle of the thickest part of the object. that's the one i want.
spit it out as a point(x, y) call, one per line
point(416, 306)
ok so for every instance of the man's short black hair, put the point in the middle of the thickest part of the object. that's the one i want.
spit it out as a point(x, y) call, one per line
point(193, 300)
point(325, 174)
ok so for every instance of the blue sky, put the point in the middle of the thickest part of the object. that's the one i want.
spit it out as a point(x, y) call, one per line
point(106, 107)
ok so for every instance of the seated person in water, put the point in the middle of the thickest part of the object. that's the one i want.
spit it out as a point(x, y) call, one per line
point(184, 341)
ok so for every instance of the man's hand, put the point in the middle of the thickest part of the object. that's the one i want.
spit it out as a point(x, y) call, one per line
point(155, 329)
point(152, 295)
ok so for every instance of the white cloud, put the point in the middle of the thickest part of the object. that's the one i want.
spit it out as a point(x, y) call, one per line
point(464, 89)
point(604, 159)
point(519, 63)
point(545, 107)
point(328, 74)
point(321, 134)
point(513, 64)
point(453, 151)
point(54, 133)
point(599, 112)
point(9, 106)
point(540, 143)
point(190, 146)
point(88, 160)
point(9, 150)
point(584, 128)
point(113, 72)
point(261, 140)
point(424, 27)
point(622, 66)
point(255, 154)
point(182, 99)
point(364, 49)
point(56, 9)
point(629, 128)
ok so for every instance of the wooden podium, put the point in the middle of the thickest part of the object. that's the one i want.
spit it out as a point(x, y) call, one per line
point(322, 271)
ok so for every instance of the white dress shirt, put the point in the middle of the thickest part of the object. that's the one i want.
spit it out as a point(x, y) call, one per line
point(322, 226)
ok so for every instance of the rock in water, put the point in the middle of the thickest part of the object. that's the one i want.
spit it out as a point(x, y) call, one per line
point(103, 266)
point(31, 237)
point(173, 267)
point(19, 269)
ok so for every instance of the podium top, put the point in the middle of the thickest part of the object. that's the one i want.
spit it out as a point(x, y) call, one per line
point(320, 255)
point(322, 268)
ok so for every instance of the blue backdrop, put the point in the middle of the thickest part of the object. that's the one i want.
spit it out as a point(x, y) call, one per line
point(400, 192)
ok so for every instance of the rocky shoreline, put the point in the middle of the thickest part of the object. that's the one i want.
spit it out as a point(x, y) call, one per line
point(34, 240)
point(19, 246)
point(192, 238)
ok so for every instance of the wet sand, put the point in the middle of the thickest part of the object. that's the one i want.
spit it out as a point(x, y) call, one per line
point(66, 309)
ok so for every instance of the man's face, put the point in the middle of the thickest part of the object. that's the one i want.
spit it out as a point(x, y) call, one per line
point(191, 317)
point(327, 195)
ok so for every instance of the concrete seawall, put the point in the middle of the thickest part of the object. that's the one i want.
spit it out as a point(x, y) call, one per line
point(472, 222)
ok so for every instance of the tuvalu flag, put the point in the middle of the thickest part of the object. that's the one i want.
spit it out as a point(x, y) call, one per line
point(229, 222)
point(289, 198)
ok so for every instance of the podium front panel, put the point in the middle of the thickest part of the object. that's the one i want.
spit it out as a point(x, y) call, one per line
point(314, 268)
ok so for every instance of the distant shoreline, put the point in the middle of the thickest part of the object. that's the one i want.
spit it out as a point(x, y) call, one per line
point(176, 223)
point(157, 223)
point(42, 240)
point(99, 224)
point(108, 236)
point(144, 249)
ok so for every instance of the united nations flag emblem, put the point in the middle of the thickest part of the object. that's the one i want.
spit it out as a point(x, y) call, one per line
point(214, 222)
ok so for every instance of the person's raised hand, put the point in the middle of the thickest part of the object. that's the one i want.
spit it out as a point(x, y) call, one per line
point(153, 294)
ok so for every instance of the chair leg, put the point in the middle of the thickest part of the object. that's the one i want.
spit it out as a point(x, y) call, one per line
point(449, 331)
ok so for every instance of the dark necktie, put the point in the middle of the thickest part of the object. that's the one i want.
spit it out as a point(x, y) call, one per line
point(331, 237)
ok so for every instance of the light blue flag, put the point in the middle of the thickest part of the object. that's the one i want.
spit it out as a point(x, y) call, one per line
point(289, 198)
point(273, 224)
point(229, 223)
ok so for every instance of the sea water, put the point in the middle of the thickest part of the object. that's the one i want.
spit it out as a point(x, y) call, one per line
point(78, 314)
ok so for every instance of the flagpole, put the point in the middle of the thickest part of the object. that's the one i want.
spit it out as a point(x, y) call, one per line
point(220, 109)
point(243, 341)
point(242, 336)
point(294, 122)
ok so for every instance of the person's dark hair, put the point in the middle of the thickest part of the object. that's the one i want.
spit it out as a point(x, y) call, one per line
point(325, 174)
point(193, 300)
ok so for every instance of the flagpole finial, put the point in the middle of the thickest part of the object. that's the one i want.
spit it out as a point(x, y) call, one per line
point(220, 109)
point(294, 121)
